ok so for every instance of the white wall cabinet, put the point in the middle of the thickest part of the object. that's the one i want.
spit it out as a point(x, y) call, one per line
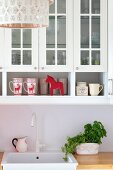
point(110, 50)
point(50, 50)
point(110, 39)
point(74, 47)
point(90, 35)
point(56, 42)
point(22, 49)
point(1, 49)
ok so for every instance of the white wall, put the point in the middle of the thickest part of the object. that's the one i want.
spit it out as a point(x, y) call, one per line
point(55, 124)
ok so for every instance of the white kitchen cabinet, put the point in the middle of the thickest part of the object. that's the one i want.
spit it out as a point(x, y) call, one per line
point(56, 41)
point(110, 50)
point(110, 39)
point(90, 35)
point(1, 49)
point(21, 49)
point(50, 50)
point(58, 51)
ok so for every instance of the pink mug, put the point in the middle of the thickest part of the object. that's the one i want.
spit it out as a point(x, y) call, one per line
point(30, 86)
point(16, 86)
point(43, 86)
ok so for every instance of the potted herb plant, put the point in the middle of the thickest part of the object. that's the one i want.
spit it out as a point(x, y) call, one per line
point(86, 142)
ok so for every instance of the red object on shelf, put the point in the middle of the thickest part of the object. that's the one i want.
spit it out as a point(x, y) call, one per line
point(54, 85)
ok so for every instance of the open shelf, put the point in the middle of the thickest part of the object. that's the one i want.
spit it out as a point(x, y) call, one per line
point(42, 88)
point(70, 98)
point(91, 78)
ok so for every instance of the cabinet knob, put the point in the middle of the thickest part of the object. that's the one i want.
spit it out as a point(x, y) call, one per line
point(35, 68)
point(1, 67)
point(42, 68)
point(77, 68)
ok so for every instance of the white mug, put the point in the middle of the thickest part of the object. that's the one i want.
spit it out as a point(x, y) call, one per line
point(30, 86)
point(16, 86)
point(95, 89)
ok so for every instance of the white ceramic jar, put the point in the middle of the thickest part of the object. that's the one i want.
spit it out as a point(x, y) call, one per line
point(82, 89)
point(81, 84)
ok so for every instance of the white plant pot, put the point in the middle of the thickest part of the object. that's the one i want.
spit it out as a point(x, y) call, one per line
point(87, 148)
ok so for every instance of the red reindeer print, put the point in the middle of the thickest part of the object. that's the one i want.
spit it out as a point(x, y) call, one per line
point(31, 89)
point(54, 85)
point(17, 88)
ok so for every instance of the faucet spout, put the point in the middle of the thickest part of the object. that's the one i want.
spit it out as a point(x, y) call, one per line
point(34, 122)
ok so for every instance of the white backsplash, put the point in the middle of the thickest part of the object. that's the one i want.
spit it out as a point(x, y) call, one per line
point(55, 123)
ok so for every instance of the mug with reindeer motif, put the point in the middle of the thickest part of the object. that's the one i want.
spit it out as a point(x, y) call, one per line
point(16, 86)
point(30, 86)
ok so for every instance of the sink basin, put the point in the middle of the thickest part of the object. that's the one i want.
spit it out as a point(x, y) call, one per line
point(38, 161)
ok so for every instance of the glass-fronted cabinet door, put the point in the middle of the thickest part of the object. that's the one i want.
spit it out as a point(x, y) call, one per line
point(90, 35)
point(56, 41)
point(21, 53)
point(1, 48)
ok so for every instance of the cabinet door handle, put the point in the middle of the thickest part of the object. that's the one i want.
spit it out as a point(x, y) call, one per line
point(110, 86)
point(1, 67)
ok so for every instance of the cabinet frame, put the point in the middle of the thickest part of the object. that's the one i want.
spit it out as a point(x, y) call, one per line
point(7, 53)
point(103, 39)
point(69, 44)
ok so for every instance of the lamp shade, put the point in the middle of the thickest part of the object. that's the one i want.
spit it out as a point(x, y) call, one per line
point(24, 13)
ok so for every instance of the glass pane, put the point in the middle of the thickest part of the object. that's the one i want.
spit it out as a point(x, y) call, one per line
point(95, 32)
point(61, 58)
point(16, 38)
point(95, 58)
point(16, 57)
point(95, 6)
point(61, 32)
point(84, 6)
point(27, 38)
point(52, 8)
point(61, 6)
point(50, 33)
point(50, 57)
point(27, 57)
point(84, 32)
point(84, 58)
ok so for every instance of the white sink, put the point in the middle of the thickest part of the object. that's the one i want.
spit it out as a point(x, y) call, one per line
point(38, 161)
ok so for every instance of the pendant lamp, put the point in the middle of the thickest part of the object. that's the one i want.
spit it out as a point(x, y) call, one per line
point(24, 13)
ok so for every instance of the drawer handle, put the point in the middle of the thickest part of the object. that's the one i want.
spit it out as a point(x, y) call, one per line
point(110, 86)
